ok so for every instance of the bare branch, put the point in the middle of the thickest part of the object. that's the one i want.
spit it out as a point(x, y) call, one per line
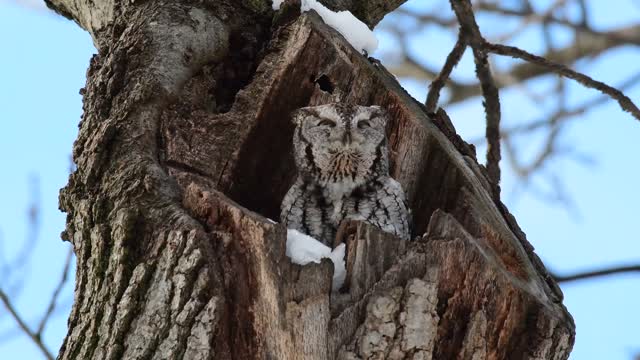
point(528, 16)
point(625, 103)
point(411, 68)
point(587, 43)
point(19, 264)
point(452, 60)
point(25, 328)
point(429, 18)
point(468, 25)
point(56, 293)
point(596, 273)
point(584, 13)
point(566, 113)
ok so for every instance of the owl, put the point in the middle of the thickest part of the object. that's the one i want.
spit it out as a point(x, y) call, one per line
point(343, 173)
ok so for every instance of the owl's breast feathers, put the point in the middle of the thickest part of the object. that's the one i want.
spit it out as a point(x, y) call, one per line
point(344, 164)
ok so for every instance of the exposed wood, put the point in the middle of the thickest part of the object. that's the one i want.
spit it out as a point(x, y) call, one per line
point(446, 295)
point(368, 11)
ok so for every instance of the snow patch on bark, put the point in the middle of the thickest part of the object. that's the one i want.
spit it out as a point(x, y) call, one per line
point(303, 249)
point(354, 30)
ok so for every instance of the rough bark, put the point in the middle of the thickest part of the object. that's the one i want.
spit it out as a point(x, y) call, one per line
point(184, 153)
point(369, 11)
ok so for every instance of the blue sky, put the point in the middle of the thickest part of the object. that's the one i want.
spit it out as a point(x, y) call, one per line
point(42, 66)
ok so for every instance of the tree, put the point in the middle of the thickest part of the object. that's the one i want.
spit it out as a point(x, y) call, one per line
point(185, 111)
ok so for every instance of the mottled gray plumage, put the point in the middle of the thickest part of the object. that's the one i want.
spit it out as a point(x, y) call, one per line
point(343, 173)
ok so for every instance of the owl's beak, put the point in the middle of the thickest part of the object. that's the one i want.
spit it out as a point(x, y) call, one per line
point(346, 138)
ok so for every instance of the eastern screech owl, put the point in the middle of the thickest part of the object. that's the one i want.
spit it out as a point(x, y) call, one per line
point(343, 173)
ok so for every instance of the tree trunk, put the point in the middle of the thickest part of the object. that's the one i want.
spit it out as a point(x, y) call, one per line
point(184, 152)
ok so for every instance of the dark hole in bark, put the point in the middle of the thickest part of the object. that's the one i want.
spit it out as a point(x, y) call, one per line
point(233, 75)
point(266, 169)
point(239, 66)
point(435, 192)
point(325, 83)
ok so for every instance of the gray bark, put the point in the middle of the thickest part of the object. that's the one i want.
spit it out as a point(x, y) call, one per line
point(184, 151)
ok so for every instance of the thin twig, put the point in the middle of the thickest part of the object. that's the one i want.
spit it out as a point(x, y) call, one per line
point(438, 83)
point(597, 273)
point(427, 18)
point(625, 103)
point(567, 113)
point(528, 16)
point(562, 115)
point(584, 13)
point(19, 265)
point(588, 43)
point(469, 26)
point(35, 337)
point(56, 293)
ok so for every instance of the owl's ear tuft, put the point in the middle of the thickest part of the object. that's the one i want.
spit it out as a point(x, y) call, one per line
point(379, 112)
point(297, 116)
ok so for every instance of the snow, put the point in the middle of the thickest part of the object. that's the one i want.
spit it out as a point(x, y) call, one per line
point(339, 269)
point(303, 249)
point(354, 30)
point(276, 4)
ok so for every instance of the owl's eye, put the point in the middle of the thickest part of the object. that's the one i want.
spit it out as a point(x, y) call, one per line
point(327, 122)
point(363, 124)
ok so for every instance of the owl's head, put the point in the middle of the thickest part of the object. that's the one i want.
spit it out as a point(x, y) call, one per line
point(337, 143)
